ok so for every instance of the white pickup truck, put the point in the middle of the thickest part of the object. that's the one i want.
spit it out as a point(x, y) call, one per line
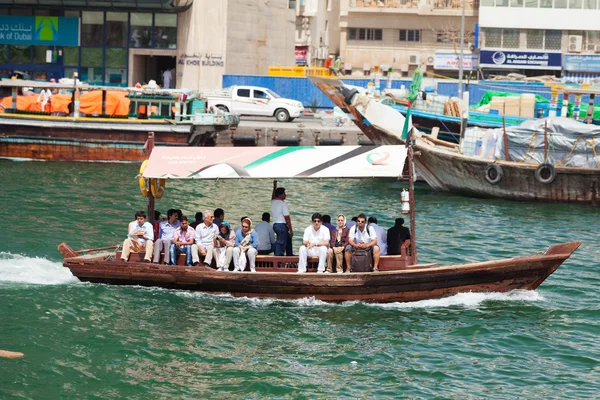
point(253, 100)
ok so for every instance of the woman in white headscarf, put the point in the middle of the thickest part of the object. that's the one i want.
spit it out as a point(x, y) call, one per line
point(223, 247)
point(246, 244)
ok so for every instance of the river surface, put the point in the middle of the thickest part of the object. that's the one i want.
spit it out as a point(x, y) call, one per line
point(92, 341)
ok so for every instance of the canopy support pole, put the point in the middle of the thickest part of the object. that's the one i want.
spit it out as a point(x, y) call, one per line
point(411, 201)
point(150, 146)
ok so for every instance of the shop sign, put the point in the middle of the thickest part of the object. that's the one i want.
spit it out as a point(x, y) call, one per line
point(449, 61)
point(301, 53)
point(520, 59)
point(201, 60)
point(583, 63)
point(39, 30)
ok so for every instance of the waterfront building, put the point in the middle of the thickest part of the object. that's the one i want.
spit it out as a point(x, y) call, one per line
point(405, 35)
point(122, 42)
point(541, 37)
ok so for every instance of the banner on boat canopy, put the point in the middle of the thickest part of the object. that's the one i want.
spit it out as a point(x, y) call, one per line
point(449, 61)
point(520, 59)
point(276, 162)
point(39, 30)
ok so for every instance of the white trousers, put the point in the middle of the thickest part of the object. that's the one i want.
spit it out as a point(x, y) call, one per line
point(239, 258)
point(317, 251)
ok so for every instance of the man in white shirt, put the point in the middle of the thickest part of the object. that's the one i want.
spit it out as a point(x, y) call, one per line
point(140, 238)
point(381, 235)
point(314, 243)
point(266, 235)
point(361, 237)
point(282, 222)
point(205, 233)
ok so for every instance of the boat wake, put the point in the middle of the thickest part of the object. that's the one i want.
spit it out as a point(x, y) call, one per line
point(467, 300)
point(35, 270)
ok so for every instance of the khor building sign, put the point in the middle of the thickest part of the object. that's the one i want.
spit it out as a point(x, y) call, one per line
point(520, 59)
point(39, 30)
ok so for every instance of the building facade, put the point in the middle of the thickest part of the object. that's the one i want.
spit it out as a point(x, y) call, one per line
point(121, 43)
point(405, 35)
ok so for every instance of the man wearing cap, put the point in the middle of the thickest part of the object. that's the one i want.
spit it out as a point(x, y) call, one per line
point(282, 222)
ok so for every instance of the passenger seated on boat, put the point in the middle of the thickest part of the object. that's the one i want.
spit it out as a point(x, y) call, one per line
point(156, 223)
point(337, 243)
point(198, 220)
point(352, 222)
point(166, 233)
point(139, 239)
point(205, 233)
point(223, 246)
point(362, 236)
point(266, 235)
point(327, 223)
point(183, 241)
point(397, 235)
point(381, 235)
point(246, 243)
point(219, 216)
point(314, 243)
point(238, 229)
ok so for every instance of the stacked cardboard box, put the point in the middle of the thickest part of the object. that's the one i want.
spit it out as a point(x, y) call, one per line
point(512, 106)
point(527, 105)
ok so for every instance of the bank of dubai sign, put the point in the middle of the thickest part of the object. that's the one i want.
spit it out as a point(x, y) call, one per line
point(520, 59)
point(40, 30)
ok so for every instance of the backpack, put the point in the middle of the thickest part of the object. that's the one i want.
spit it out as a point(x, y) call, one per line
point(362, 260)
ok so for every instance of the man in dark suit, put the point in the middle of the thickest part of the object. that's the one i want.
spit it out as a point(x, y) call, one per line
point(397, 235)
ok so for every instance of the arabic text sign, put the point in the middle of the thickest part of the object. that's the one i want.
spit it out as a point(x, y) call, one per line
point(449, 61)
point(585, 63)
point(40, 30)
point(204, 60)
point(521, 59)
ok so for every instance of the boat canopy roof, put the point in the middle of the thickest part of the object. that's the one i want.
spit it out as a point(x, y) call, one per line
point(276, 162)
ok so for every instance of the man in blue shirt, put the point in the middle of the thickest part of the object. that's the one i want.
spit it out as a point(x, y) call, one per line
point(166, 233)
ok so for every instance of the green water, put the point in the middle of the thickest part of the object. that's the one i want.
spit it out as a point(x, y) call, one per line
point(89, 341)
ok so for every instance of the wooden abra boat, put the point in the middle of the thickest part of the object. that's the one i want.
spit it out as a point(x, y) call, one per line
point(400, 278)
point(111, 129)
point(397, 281)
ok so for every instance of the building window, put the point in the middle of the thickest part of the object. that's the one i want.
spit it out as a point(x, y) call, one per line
point(592, 39)
point(3, 52)
point(552, 40)
point(560, 3)
point(545, 3)
point(535, 39)
point(538, 39)
point(165, 31)
point(589, 4)
point(365, 34)
point(531, 3)
point(92, 28)
point(20, 54)
point(141, 28)
point(493, 37)
point(575, 4)
point(71, 56)
point(91, 57)
point(116, 29)
point(39, 54)
point(410, 35)
point(510, 38)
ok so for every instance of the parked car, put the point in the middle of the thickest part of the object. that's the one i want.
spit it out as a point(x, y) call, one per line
point(253, 100)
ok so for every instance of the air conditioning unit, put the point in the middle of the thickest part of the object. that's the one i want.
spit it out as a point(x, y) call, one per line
point(414, 59)
point(575, 43)
point(430, 60)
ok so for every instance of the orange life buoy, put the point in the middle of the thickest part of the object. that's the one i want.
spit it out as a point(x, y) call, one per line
point(142, 181)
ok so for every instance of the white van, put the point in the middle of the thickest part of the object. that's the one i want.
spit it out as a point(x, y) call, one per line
point(257, 101)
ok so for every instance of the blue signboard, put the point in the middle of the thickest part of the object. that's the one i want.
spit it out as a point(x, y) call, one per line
point(520, 59)
point(40, 30)
point(585, 63)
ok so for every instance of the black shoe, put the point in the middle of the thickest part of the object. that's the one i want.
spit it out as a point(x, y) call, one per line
point(196, 263)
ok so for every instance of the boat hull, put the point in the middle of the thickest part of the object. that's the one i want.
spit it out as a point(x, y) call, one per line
point(90, 139)
point(448, 170)
point(412, 283)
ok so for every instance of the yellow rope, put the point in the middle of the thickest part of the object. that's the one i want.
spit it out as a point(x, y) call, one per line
point(527, 153)
point(571, 152)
